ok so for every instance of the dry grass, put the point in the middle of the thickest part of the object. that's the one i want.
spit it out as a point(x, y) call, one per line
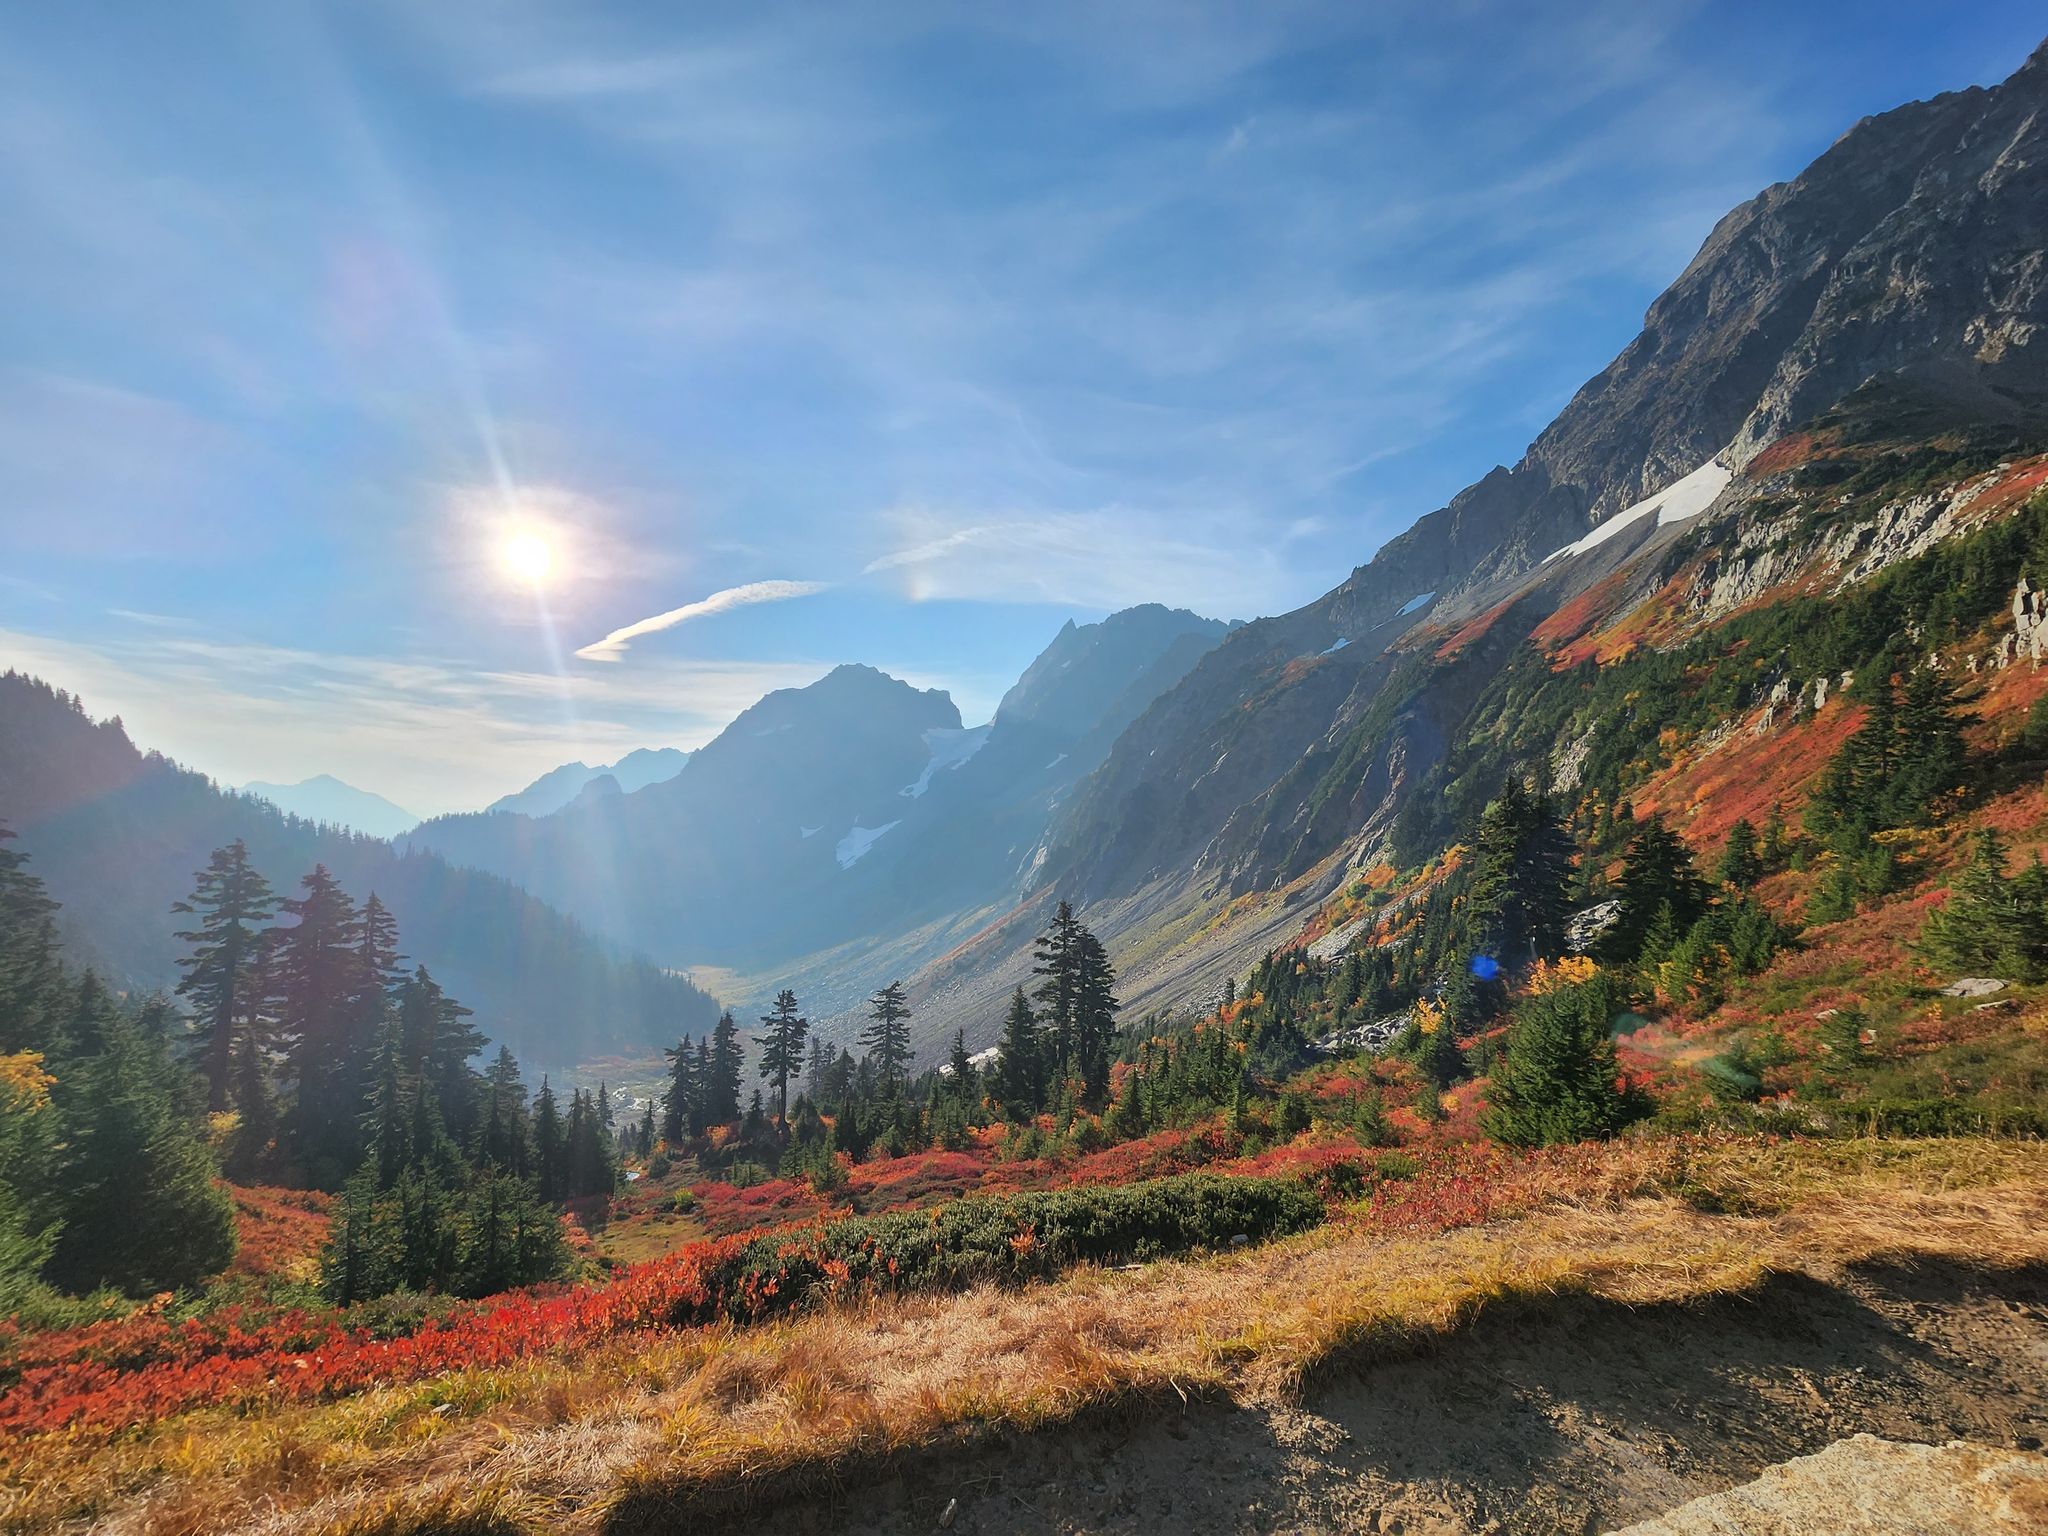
point(685, 1420)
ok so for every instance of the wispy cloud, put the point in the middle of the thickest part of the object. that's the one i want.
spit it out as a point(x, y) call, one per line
point(1112, 557)
point(613, 645)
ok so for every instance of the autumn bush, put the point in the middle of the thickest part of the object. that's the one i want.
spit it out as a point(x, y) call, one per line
point(1004, 1239)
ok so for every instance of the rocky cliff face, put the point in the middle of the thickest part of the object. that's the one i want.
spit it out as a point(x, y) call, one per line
point(1915, 247)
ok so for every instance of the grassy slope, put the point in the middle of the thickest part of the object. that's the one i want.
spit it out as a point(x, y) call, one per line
point(664, 1428)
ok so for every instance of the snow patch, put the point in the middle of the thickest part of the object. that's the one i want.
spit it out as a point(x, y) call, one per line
point(1057, 761)
point(1331, 650)
point(856, 843)
point(808, 831)
point(1674, 504)
point(949, 748)
point(1419, 601)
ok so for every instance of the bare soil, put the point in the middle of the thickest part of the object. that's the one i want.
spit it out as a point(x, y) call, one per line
point(1576, 1415)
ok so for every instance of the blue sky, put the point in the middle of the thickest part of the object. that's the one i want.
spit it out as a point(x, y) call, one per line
point(951, 322)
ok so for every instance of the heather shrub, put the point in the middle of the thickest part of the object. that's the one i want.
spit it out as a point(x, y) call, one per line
point(1006, 1239)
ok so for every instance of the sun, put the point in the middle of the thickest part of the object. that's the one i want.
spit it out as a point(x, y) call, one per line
point(527, 558)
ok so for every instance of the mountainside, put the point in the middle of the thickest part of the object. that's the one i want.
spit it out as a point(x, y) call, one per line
point(836, 831)
point(117, 835)
point(558, 786)
point(1912, 249)
point(327, 800)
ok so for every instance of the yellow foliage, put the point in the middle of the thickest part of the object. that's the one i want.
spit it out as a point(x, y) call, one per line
point(1546, 976)
point(23, 1080)
point(1428, 1016)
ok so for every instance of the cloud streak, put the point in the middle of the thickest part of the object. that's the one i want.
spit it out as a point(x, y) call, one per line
point(614, 645)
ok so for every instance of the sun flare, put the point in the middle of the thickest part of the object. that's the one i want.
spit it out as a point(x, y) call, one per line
point(527, 558)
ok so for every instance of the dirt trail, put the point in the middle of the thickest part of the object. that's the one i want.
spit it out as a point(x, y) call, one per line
point(1582, 1416)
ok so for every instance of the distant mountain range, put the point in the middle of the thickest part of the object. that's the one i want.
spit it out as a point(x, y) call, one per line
point(117, 836)
point(560, 786)
point(328, 801)
point(849, 823)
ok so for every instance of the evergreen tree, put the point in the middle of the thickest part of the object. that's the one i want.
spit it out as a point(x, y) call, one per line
point(782, 1047)
point(1661, 894)
point(32, 983)
point(1018, 1081)
point(1992, 925)
point(502, 1140)
point(233, 903)
point(1095, 1010)
point(1521, 880)
point(1741, 865)
point(1558, 1082)
point(682, 1094)
point(549, 1160)
point(318, 966)
point(963, 1078)
point(722, 1087)
point(439, 1043)
point(887, 1035)
point(1057, 962)
point(143, 1208)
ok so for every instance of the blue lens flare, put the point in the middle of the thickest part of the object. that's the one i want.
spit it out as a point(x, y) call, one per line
point(1485, 967)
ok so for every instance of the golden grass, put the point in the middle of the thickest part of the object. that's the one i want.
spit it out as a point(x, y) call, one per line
point(680, 1419)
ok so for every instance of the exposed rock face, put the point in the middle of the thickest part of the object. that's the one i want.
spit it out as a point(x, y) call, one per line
point(1916, 246)
point(1871, 1487)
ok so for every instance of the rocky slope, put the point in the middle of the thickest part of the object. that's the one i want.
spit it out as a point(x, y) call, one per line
point(1915, 247)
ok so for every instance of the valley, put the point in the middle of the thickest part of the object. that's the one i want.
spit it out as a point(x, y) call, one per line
point(1545, 1032)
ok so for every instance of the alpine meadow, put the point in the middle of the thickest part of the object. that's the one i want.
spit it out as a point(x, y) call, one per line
point(683, 846)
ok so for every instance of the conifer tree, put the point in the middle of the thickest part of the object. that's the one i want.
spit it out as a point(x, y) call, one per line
point(887, 1035)
point(1095, 1010)
point(1741, 865)
point(1992, 925)
point(782, 1047)
point(682, 1093)
point(1661, 894)
point(1558, 1082)
point(1018, 1081)
point(318, 966)
point(234, 905)
point(722, 1087)
point(143, 1208)
point(1057, 962)
point(962, 1078)
point(1521, 878)
point(550, 1166)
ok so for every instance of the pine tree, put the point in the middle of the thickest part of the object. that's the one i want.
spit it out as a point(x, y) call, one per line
point(1992, 925)
point(1657, 873)
point(962, 1078)
point(1057, 961)
point(550, 1164)
point(318, 966)
point(887, 1035)
point(144, 1209)
point(234, 904)
point(682, 1092)
point(502, 1140)
point(1521, 878)
point(1018, 1081)
point(1741, 865)
point(32, 984)
point(722, 1088)
point(1558, 1082)
point(782, 1047)
point(1095, 1010)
